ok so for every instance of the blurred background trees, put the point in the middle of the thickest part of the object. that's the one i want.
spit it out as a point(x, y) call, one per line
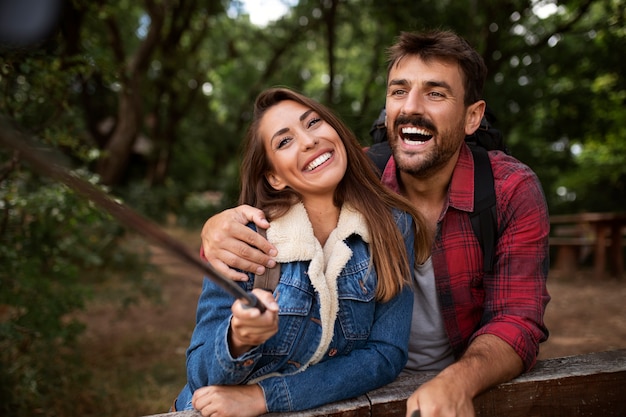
point(150, 99)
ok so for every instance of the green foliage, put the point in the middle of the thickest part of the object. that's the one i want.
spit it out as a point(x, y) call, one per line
point(550, 75)
point(55, 246)
point(556, 84)
point(574, 107)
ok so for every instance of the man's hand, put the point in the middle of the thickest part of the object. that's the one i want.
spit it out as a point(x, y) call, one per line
point(228, 243)
point(441, 397)
point(230, 401)
point(487, 362)
point(250, 328)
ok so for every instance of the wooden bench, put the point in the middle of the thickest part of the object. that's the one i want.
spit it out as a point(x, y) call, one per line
point(575, 236)
point(573, 245)
point(592, 384)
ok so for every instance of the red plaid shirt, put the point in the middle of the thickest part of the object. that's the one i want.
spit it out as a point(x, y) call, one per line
point(510, 302)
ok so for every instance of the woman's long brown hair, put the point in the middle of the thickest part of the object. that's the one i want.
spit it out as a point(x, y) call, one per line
point(360, 187)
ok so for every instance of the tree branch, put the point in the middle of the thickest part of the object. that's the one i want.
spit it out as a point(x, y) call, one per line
point(140, 59)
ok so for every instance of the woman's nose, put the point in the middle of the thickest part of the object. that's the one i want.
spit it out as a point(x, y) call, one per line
point(309, 141)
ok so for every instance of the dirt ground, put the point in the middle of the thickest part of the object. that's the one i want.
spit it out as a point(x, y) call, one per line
point(584, 315)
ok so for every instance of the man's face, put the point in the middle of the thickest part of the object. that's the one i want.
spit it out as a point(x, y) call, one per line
point(426, 116)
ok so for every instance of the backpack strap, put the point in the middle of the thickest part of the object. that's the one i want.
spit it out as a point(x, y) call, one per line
point(378, 131)
point(269, 280)
point(379, 153)
point(483, 217)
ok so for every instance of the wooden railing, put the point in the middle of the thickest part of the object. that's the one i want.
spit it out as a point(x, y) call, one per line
point(590, 385)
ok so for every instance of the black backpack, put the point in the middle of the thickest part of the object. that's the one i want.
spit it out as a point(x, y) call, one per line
point(483, 217)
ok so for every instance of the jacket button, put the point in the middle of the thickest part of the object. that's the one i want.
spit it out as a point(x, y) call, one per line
point(248, 362)
point(332, 352)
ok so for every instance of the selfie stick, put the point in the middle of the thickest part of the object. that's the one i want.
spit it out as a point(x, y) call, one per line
point(124, 215)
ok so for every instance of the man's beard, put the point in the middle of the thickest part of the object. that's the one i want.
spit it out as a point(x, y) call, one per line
point(446, 145)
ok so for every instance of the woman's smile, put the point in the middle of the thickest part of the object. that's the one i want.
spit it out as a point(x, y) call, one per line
point(319, 161)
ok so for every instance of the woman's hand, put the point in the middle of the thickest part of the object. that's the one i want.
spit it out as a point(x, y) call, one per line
point(250, 328)
point(230, 401)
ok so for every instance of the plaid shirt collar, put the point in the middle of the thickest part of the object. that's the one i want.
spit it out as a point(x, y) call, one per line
point(461, 189)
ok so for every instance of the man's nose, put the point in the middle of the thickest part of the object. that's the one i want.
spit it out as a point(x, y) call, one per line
point(414, 103)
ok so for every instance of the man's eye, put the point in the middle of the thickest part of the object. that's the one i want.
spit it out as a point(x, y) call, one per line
point(398, 92)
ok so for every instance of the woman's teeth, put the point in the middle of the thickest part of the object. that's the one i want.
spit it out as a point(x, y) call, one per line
point(318, 161)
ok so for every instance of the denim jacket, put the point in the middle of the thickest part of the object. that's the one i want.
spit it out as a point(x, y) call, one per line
point(334, 342)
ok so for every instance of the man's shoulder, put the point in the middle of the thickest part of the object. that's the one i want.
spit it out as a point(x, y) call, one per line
point(516, 184)
point(507, 167)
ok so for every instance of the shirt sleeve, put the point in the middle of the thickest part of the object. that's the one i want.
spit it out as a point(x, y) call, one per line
point(208, 357)
point(516, 295)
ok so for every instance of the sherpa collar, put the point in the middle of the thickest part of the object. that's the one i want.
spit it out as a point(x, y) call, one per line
point(292, 234)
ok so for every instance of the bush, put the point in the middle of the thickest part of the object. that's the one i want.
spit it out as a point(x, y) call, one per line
point(55, 245)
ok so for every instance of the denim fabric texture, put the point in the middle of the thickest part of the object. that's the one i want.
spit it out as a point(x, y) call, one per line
point(368, 348)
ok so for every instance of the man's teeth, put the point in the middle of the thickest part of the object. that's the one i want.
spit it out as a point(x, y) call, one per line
point(318, 161)
point(415, 131)
point(413, 134)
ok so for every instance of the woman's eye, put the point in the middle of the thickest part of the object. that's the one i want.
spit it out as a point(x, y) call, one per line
point(282, 143)
point(314, 121)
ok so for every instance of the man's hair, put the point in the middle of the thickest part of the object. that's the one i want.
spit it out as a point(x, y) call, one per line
point(443, 45)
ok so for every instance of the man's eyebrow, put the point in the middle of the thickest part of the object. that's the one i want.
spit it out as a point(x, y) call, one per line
point(396, 81)
point(430, 83)
point(441, 84)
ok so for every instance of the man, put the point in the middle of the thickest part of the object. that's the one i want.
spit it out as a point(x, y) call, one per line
point(478, 329)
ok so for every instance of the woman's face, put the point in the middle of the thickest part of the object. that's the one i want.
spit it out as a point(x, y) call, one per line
point(305, 152)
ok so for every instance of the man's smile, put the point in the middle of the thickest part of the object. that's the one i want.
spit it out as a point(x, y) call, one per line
point(415, 135)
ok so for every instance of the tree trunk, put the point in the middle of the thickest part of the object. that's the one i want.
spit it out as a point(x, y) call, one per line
point(114, 161)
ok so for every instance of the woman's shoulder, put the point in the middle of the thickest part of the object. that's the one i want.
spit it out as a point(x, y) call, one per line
point(403, 219)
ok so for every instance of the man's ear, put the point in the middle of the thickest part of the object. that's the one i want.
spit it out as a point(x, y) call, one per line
point(473, 116)
point(275, 181)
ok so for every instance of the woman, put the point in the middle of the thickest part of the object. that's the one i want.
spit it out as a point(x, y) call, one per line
point(337, 324)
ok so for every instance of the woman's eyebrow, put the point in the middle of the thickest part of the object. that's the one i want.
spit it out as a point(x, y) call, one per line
point(286, 129)
point(278, 133)
point(305, 114)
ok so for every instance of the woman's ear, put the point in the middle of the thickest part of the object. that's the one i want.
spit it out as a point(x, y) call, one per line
point(275, 181)
point(473, 116)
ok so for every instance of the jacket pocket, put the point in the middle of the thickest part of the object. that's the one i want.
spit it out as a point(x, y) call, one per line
point(294, 309)
point(357, 289)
